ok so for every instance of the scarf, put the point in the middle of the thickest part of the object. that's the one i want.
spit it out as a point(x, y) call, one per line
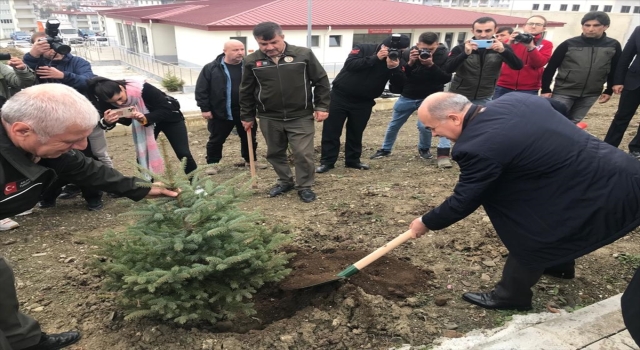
point(144, 140)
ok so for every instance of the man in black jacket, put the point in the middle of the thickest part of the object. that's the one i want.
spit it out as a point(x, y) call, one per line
point(477, 69)
point(217, 94)
point(366, 71)
point(584, 63)
point(424, 77)
point(522, 184)
point(626, 82)
point(35, 148)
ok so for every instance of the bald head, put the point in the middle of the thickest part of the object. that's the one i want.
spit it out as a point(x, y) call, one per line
point(443, 113)
point(233, 51)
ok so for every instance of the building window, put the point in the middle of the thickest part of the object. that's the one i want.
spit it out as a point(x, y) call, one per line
point(625, 9)
point(335, 40)
point(546, 7)
point(575, 8)
point(448, 39)
point(242, 39)
point(563, 7)
point(636, 9)
point(372, 38)
point(607, 8)
point(120, 33)
point(593, 8)
point(6, 21)
point(462, 36)
point(536, 7)
point(144, 40)
point(315, 41)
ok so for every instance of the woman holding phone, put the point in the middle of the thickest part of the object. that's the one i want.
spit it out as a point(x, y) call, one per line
point(151, 113)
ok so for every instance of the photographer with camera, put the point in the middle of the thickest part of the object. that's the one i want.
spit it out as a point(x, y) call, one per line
point(53, 63)
point(366, 71)
point(534, 51)
point(477, 62)
point(424, 76)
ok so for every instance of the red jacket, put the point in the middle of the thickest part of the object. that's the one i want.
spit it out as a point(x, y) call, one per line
point(530, 76)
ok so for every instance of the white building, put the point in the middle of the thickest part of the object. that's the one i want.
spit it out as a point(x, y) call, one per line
point(16, 15)
point(194, 33)
point(614, 6)
point(84, 19)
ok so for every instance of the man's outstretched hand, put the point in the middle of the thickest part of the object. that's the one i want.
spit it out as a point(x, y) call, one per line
point(158, 190)
point(418, 228)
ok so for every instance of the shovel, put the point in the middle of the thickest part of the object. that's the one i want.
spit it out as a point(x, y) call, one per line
point(364, 262)
point(252, 163)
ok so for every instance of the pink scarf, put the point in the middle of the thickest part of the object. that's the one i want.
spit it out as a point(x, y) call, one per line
point(147, 151)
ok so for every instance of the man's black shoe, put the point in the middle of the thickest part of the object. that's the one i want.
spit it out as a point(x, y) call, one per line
point(307, 195)
point(44, 204)
point(490, 301)
point(380, 154)
point(70, 191)
point(360, 166)
point(279, 189)
point(324, 168)
point(55, 341)
point(95, 204)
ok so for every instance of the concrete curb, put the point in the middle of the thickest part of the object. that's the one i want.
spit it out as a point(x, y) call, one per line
point(596, 327)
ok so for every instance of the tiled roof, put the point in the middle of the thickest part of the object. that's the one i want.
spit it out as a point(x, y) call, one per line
point(244, 14)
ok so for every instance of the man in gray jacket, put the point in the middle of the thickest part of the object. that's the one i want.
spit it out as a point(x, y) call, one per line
point(584, 63)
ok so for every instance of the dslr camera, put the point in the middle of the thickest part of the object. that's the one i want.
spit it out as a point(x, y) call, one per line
point(424, 54)
point(5, 56)
point(394, 47)
point(524, 38)
point(54, 40)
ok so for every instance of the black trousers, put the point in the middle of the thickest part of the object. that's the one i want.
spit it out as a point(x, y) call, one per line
point(627, 107)
point(517, 280)
point(176, 133)
point(219, 130)
point(89, 193)
point(631, 307)
point(356, 116)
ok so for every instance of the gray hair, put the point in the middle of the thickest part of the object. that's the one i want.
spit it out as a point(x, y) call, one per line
point(450, 103)
point(50, 109)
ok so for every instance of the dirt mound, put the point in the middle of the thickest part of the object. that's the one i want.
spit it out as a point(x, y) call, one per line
point(388, 276)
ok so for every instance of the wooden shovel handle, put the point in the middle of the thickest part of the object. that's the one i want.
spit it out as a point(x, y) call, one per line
point(362, 263)
point(252, 163)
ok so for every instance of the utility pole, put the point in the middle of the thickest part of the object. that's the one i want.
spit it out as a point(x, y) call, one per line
point(309, 6)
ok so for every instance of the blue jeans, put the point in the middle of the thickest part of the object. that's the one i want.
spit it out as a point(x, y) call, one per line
point(502, 91)
point(402, 110)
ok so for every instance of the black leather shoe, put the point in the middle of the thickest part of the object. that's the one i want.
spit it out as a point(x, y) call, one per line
point(324, 168)
point(279, 189)
point(56, 341)
point(360, 166)
point(307, 195)
point(69, 191)
point(490, 301)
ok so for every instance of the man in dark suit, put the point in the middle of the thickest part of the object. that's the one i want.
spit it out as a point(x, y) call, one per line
point(627, 84)
point(549, 202)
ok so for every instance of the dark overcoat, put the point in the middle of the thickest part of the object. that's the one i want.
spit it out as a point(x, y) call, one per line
point(553, 192)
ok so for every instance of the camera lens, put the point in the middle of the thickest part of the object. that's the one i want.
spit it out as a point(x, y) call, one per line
point(393, 55)
point(425, 54)
point(5, 56)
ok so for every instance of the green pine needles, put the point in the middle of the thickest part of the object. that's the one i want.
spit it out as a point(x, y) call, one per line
point(197, 257)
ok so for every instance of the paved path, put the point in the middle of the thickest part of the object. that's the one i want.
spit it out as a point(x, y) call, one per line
point(595, 327)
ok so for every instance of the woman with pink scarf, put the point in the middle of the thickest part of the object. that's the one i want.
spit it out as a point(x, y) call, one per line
point(153, 113)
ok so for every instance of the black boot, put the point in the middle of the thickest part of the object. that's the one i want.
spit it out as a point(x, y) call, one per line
point(492, 301)
point(55, 341)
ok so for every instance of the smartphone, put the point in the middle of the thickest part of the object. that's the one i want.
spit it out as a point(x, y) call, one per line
point(124, 112)
point(483, 44)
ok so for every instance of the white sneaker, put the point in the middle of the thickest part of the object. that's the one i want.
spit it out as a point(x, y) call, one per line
point(30, 211)
point(8, 224)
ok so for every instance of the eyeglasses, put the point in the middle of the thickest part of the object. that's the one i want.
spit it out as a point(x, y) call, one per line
point(535, 24)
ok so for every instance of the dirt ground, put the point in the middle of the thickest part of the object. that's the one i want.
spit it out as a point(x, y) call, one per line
point(393, 302)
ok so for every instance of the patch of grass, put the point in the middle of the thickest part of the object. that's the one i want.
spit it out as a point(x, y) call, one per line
point(633, 260)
